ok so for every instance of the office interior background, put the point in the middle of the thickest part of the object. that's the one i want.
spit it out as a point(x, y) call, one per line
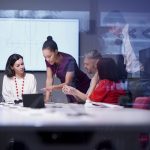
point(90, 14)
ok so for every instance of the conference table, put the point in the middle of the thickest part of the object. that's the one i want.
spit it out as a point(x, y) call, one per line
point(67, 126)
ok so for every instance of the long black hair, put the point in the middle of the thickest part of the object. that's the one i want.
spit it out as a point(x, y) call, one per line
point(108, 69)
point(50, 44)
point(10, 63)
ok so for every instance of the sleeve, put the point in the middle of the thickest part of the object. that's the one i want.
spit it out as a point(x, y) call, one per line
point(99, 93)
point(7, 90)
point(71, 65)
point(33, 85)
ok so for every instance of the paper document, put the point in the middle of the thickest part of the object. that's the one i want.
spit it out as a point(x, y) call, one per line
point(90, 103)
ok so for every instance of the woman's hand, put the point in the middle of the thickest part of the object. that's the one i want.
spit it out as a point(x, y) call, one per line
point(48, 88)
point(69, 90)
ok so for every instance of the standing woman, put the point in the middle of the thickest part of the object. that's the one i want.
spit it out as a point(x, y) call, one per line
point(16, 82)
point(64, 66)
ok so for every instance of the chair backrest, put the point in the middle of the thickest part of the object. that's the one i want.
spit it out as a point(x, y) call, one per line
point(142, 103)
point(126, 100)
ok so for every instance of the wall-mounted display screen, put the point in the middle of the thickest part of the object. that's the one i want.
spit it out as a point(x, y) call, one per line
point(25, 36)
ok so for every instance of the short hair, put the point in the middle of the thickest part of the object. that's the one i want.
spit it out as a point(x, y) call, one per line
point(10, 63)
point(50, 44)
point(108, 69)
point(93, 54)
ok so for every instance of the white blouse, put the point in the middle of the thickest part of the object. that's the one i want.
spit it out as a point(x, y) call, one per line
point(9, 89)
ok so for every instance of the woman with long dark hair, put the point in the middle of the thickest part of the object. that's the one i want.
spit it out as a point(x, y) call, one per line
point(16, 81)
point(109, 88)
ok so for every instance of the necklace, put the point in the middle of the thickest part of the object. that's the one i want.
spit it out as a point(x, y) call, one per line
point(22, 87)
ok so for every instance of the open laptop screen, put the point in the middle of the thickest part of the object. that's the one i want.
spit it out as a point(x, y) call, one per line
point(33, 100)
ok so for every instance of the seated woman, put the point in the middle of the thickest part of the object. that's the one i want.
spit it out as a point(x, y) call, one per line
point(16, 82)
point(109, 88)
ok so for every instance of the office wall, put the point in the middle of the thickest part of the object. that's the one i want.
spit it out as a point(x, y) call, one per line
point(76, 8)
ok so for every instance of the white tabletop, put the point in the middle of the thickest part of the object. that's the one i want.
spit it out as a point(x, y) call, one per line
point(59, 114)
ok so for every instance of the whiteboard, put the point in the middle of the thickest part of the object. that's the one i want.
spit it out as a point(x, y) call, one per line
point(26, 37)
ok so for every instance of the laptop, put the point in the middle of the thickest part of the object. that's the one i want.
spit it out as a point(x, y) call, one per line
point(33, 100)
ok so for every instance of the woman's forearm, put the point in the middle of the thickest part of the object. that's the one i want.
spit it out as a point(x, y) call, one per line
point(74, 92)
point(80, 95)
point(48, 93)
point(58, 87)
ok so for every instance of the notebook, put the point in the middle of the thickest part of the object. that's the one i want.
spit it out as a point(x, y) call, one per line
point(33, 100)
